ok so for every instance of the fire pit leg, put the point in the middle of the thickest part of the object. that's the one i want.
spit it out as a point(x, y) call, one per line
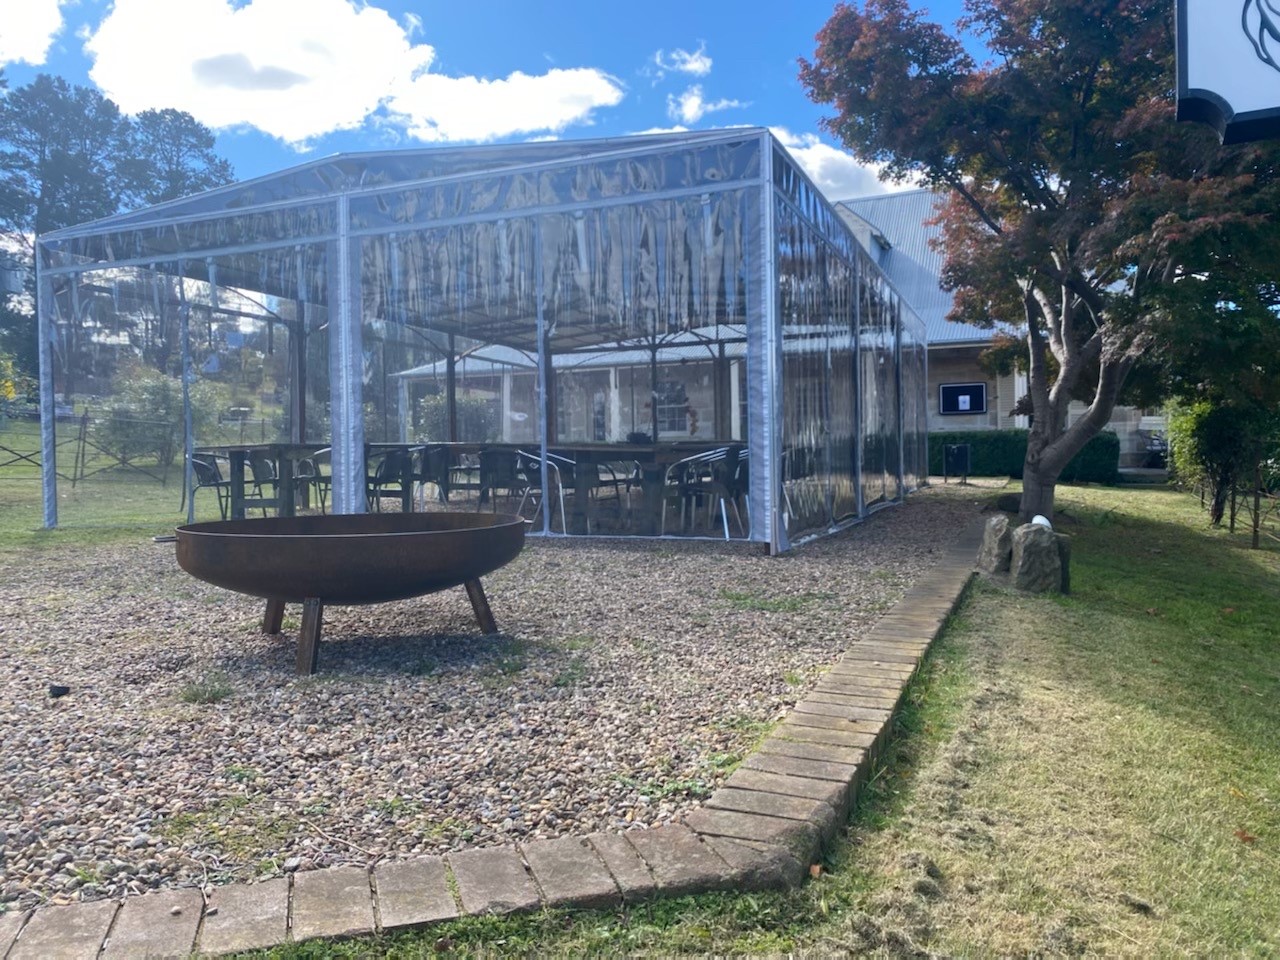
point(484, 616)
point(309, 636)
point(273, 619)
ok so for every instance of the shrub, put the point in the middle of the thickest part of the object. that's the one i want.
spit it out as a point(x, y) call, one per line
point(145, 419)
point(477, 419)
point(1002, 453)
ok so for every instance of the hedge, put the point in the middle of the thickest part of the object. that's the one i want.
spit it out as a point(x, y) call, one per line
point(1002, 453)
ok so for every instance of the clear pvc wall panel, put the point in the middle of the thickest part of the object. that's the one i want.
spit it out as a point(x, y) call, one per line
point(914, 409)
point(453, 313)
point(842, 391)
point(878, 390)
point(815, 303)
point(892, 411)
point(127, 415)
point(645, 315)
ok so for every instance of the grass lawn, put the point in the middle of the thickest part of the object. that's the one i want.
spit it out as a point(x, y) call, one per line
point(1093, 774)
point(112, 504)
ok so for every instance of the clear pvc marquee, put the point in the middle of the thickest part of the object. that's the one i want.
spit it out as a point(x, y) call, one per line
point(689, 293)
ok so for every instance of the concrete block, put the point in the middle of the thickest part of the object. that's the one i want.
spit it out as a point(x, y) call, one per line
point(834, 794)
point(73, 932)
point(493, 880)
point(808, 750)
point(629, 872)
point(335, 902)
point(759, 866)
point(412, 893)
point(246, 916)
point(798, 836)
point(680, 861)
point(765, 804)
point(11, 922)
point(156, 925)
point(838, 773)
point(570, 873)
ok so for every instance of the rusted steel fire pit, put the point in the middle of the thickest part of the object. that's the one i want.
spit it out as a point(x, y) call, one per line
point(349, 560)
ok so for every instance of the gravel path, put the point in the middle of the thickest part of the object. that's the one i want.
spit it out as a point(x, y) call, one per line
point(629, 678)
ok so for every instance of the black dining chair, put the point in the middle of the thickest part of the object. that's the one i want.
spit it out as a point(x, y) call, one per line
point(500, 472)
point(389, 478)
point(263, 472)
point(207, 475)
point(687, 481)
point(431, 467)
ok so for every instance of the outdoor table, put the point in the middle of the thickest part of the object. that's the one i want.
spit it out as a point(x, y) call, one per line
point(283, 455)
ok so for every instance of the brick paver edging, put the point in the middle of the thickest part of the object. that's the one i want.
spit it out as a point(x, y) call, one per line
point(761, 830)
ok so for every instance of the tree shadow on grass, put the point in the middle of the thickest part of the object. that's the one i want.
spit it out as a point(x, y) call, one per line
point(1169, 615)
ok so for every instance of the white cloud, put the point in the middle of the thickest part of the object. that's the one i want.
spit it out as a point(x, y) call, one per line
point(691, 106)
point(299, 69)
point(679, 60)
point(27, 29)
point(436, 107)
point(836, 173)
point(294, 69)
point(678, 128)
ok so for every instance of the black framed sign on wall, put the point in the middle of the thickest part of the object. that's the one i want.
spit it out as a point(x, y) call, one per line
point(962, 398)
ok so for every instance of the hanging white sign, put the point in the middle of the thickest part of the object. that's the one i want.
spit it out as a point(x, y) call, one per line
point(1229, 66)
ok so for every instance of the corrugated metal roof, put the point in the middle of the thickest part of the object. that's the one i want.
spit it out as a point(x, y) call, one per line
point(911, 264)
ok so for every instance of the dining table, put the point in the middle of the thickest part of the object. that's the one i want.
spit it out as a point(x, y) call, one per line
point(282, 455)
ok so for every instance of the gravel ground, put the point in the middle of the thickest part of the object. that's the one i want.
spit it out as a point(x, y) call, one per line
point(630, 676)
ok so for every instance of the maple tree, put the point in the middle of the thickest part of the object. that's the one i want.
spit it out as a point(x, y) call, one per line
point(1075, 202)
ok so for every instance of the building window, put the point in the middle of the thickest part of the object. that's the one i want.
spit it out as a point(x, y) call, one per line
point(673, 407)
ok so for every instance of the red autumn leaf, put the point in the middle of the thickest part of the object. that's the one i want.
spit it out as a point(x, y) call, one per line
point(1244, 836)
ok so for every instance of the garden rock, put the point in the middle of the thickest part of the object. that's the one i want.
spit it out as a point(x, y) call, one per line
point(997, 544)
point(1036, 565)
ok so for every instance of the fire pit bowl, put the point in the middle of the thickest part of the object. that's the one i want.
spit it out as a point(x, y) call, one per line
point(349, 560)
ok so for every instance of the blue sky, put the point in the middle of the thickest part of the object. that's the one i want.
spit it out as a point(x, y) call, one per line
point(284, 81)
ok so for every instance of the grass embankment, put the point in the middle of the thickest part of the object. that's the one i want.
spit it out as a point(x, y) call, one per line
point(1093, 774)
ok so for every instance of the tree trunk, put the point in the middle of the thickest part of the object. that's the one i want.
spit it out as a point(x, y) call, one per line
point(1257, 501)
point(1218, 503)
point(1037, 495)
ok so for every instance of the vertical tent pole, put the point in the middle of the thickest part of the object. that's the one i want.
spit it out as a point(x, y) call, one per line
point(451, 388)
point(346, 369)
point(897, 366)
point(188, 439)
point(544, 363)
point(45, 306)
point(298, 337)
point(765, 387)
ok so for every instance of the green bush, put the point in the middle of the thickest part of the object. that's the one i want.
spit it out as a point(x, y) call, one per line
point(1098, 462)
point(477, 419)
point(1002, 453)
point(145, 419)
